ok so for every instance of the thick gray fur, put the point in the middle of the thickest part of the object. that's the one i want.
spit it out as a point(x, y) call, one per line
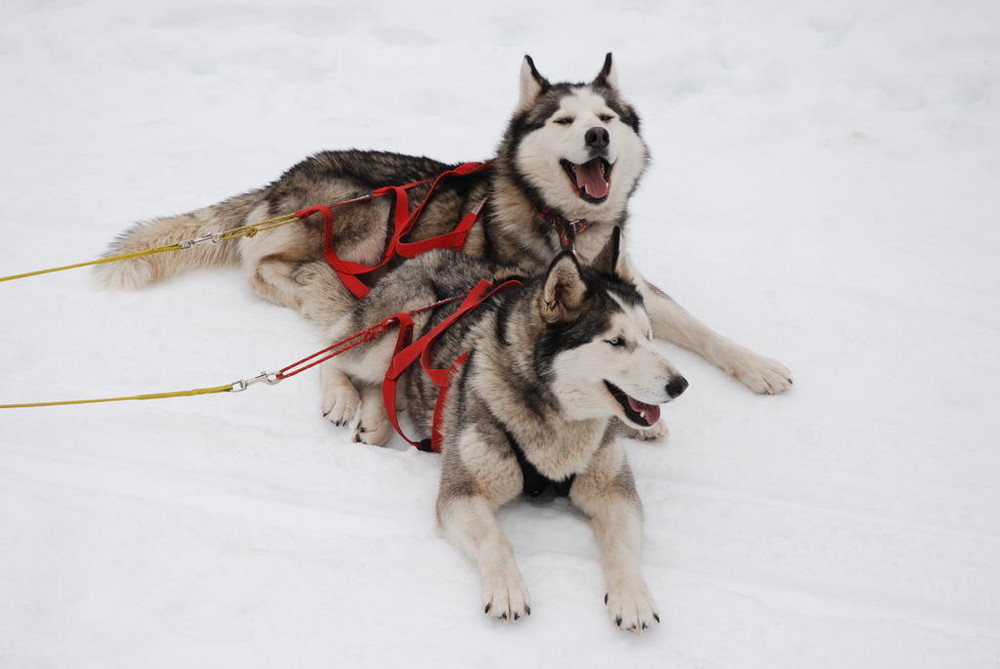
point(555, 129)
point(535, 381)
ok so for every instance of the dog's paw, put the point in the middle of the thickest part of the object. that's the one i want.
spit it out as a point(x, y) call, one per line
point(506, 598)
point(757, 372)
point(631, 607)
point(658, 432)
point(340, 403)
point(373, 431)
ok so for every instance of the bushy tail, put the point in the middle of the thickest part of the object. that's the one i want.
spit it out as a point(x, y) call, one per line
point(146, 270)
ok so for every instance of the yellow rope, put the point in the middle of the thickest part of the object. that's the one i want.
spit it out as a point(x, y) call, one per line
point(254, 228)
point(124, 256)
point(233, 233)
point(149, 396)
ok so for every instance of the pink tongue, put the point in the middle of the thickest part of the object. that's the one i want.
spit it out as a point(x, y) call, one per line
point(590, 177)
point(650, 412)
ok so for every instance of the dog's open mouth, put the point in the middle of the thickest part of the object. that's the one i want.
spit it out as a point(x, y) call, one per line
point(640, 413)
point(591, 179)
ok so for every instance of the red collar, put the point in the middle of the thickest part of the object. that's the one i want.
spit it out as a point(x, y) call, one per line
point(566, 230)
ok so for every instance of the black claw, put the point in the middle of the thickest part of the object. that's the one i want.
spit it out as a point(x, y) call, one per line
point(517, 616)
point(488, 607)
point(605, 598)
point(527, 610)
point(503, 616)
point(618, 621)
point(656, 617)
point(645, 626)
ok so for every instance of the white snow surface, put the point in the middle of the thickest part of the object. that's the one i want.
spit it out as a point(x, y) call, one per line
point(824, 190)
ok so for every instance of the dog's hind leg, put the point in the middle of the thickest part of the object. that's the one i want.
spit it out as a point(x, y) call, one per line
point(673, 323)
point(606, 493)
point(283, 267)
point(322, 296)
point(310, 287)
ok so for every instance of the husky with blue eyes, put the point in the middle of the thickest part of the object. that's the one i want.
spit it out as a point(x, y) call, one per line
point(556, 366)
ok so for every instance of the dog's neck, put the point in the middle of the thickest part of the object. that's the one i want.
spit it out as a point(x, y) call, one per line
point(566, 231)
point(518, 221)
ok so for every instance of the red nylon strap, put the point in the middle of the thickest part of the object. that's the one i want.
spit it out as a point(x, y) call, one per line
point(443, 385)
point(392, 374)
point(452, 240)
point(406, 354)
point(347, 270)
point(449, 240)
point(402, 222)
point(369, 334)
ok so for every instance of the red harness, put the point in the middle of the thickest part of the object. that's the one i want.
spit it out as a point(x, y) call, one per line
point(407, 352)
point(402, 223)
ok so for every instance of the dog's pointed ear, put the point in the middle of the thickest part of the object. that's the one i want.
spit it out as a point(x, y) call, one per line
point(608, 76)
point(564, 289)
point(611, 261)
point(532, 84)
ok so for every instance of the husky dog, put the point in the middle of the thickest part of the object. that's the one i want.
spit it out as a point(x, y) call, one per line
point(557, 364)
point(571, 153)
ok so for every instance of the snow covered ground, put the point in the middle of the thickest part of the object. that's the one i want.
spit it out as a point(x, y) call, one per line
point(825, 190)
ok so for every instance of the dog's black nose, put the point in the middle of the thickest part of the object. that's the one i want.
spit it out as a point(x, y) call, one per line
point(677, 385)
point(597, 137)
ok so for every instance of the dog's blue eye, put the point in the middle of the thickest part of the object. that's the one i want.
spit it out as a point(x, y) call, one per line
point(616, 341)
point(606, 117)
point(565, 120)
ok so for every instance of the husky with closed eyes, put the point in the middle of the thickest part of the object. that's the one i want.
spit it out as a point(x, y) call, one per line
point(566, 167)
point(556, 366)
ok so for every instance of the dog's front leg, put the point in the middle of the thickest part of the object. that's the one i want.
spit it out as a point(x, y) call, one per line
point(606, 493)
point(475, 481)
point(341, 400)
point(373, 427)
point(470, 523)
point(351, 385)
point(673, 323)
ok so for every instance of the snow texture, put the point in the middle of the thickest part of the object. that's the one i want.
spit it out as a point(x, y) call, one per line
point(824, 190)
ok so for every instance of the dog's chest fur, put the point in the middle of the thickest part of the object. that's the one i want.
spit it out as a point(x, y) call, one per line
point(556, 447)
point(559, 451)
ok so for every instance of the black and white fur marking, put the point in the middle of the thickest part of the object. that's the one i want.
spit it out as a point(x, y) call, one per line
point(531, 407)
